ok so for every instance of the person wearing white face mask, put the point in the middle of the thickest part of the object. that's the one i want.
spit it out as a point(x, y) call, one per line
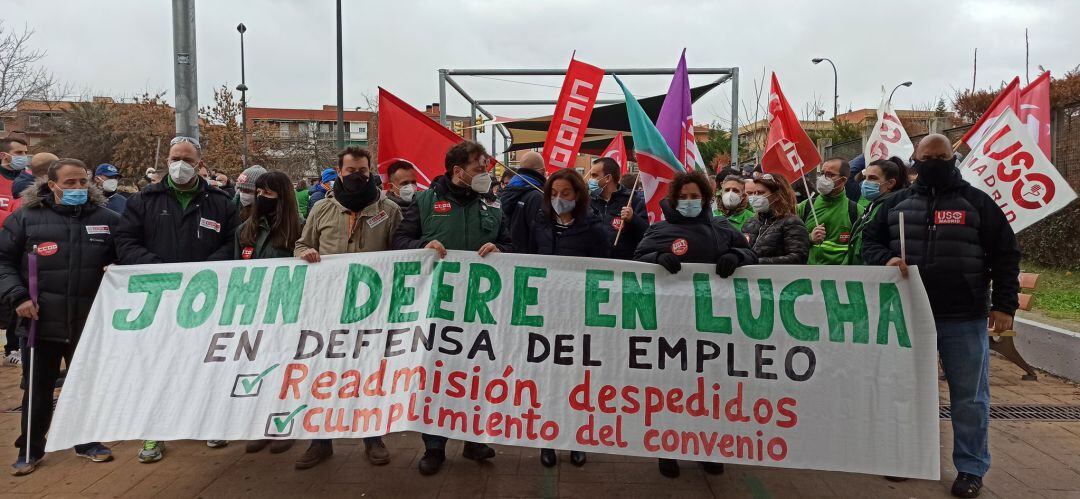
point(775, 233)
point(731, 201)
point(182, 218)
point(831, 216)
point(458, 212)
point(245, 190)
point(690, 234)
point(107, 177)
point(402, 186)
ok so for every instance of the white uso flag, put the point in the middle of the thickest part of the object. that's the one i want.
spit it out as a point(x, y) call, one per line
point(888, 137)
point(1008, 165)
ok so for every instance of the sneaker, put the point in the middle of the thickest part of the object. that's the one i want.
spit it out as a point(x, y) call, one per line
point(376, 451)
point(97, 453)
point(432, 461)
point(14, 359)
point(22, 467)
point(966, 485)
point(477, 452)
point(254, 446)
point(316, 453)
point(216, 444)
point(152, 451)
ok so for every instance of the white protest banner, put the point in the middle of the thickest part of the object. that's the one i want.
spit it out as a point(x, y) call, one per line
point(830, 368)
point(888, 137)
point(1008, 165)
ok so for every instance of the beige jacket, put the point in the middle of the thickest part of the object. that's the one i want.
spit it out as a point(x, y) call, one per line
point(332, 229)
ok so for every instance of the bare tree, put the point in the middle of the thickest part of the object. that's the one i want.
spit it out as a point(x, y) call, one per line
point(20, 76)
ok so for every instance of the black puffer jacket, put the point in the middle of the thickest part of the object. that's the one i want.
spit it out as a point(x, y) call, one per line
point(961, 242)
point(702, 239)
point(584, 237)
point(73, 245)
point(609, 211)
point(520, 201)
point(778, 242)
point(155, 229)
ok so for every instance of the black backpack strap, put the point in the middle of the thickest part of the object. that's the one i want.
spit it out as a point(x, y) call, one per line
point(852, 212)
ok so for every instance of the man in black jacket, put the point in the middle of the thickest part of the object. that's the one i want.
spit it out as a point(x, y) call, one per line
point(522, 199)
point(612, 203)
point(64, 226)
point(969, 262)
point(179, 219)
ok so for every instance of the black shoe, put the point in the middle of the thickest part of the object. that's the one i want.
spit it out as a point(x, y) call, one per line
point(966, 485)
point(897, 479)
point(577, 458)
point(316, 453)
point(713, 468)
point(548, 458)
point(669, 468)
point(477, 452)
point(432, 461)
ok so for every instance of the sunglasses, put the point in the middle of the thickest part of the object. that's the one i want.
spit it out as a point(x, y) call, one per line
point(189, 140)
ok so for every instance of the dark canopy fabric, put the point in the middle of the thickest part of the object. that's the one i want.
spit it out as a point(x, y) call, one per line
point(604, 124)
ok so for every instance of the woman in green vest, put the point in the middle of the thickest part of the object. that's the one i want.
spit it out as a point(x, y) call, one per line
point(883, 177)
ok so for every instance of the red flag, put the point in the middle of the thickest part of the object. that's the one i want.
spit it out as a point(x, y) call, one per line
point(617, 150)
point(1034, 110)
point(410, 135)
point(789, 152)
point(571, 118)
point(1008, 98)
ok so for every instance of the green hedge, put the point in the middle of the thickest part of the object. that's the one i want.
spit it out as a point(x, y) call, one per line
point(1054, 241)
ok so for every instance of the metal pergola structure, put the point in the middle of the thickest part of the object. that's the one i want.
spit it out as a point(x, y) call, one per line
point(446, 76)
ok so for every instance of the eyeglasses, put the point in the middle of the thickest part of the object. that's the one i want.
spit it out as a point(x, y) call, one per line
point(180, 139)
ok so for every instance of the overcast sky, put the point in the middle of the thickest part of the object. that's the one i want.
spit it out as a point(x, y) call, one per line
point(124, 47)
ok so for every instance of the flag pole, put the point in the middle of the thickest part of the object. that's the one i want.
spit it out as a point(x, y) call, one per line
point(31, 340)
point(810, 199)
point(903, 240)
point(628, 201)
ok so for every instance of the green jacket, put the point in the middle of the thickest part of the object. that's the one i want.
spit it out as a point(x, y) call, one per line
point(302, 201)
point(262, 249)
point(838, 214)
point(459, 222)
point(737, 220)
point(854, 254)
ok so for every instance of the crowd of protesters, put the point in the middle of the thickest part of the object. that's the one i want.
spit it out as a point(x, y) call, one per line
point(72, 222)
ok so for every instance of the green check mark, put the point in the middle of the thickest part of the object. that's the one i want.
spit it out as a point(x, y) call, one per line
point(249, 385)
point(281, 424)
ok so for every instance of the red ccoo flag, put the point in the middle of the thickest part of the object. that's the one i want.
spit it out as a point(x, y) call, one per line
point(1034, 111)
point(1008, 98)
point(410, 135)
point(571, 118)
point(617, 150)
point(789, 152)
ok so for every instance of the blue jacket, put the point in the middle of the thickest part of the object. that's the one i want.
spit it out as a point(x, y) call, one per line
point(24, 180)
point(116, 202)
point(316, 193)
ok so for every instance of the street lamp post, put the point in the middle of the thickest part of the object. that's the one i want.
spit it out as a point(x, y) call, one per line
point(242, 87)
point(836, 85)
point(340, 87)
point(905, 84)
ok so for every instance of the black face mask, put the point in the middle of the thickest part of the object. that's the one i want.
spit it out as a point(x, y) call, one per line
point(355, 191)
point(265, 206)
point(935, 173)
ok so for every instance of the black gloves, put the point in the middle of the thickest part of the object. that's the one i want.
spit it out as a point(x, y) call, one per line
point(670, 262)
point(726, 264)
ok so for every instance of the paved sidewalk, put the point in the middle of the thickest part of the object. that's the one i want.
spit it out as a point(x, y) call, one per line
point(1031, 460)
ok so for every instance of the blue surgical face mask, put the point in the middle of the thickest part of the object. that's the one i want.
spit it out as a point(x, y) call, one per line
point(20, 162)
point(870, 190)
point(594, 186)
point(689, 208)
point(563, 206)
point(73, 197)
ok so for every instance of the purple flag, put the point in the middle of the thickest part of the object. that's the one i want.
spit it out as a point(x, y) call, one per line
point(676, 120)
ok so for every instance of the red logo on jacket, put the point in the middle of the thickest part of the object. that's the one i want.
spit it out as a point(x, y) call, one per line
point(616, 223)
point(46, 249)
point(680, 246)
point(442, 207)
point(950, 217)
point(246, 254)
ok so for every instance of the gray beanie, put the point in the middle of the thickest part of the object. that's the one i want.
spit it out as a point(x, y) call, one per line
point(247, 179)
